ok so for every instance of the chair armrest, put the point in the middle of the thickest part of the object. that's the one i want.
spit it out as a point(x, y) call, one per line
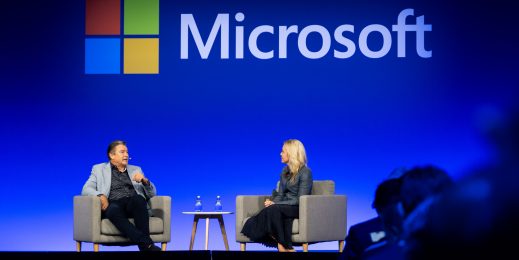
point(247, 206)
point(161, 208)
point(322, 217)
point(87, 218)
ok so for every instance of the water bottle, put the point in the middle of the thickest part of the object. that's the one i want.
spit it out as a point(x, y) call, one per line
point(218, 205)
point(198, 204)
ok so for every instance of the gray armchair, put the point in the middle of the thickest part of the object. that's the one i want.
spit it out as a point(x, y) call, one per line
point(322, 216)
point(89, 227)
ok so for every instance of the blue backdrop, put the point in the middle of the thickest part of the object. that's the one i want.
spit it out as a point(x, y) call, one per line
point(216, 126)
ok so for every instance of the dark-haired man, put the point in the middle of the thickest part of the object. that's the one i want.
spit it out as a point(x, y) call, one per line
point(124, 191)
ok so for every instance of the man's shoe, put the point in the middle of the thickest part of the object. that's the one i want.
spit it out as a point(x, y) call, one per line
point(149, 248)
point(154, 248)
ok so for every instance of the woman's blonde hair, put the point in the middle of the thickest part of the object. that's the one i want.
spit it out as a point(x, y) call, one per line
point(296, 156)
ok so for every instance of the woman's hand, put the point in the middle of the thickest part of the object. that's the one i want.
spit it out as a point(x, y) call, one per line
point(268, 202)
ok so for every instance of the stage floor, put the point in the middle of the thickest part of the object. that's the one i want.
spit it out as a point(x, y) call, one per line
point(195, 255)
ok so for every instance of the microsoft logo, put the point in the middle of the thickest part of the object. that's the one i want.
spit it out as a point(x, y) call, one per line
point(136, 51)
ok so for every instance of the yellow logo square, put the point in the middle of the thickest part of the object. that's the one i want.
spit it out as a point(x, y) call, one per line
point(141, 56)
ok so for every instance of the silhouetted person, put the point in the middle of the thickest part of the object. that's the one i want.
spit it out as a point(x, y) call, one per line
point(371, 234)
point(420, 183)
point(418, 186)
point(479, 217)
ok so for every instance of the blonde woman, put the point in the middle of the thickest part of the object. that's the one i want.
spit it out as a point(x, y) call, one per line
point(272, 226)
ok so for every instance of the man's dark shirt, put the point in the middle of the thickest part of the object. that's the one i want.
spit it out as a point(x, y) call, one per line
point(121, 186)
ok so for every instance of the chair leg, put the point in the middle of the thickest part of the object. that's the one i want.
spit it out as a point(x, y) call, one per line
point(96, 247)
point(305, 247)
point(163, 246)
point(242, 246)
point(78, 246)
point(341, 245)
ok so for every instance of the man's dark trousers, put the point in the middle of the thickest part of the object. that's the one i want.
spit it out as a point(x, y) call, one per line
point(135, 207)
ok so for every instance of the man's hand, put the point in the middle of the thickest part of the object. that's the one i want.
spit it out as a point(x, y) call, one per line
point(139, 178)
point(104, 202)
point(268, 202)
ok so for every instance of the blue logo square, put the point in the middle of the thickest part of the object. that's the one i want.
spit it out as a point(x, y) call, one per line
point(103, 56)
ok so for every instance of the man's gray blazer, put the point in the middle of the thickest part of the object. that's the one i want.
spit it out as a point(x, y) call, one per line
point(101, 178)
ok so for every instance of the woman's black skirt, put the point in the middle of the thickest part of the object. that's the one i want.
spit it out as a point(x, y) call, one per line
point(272, 225)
